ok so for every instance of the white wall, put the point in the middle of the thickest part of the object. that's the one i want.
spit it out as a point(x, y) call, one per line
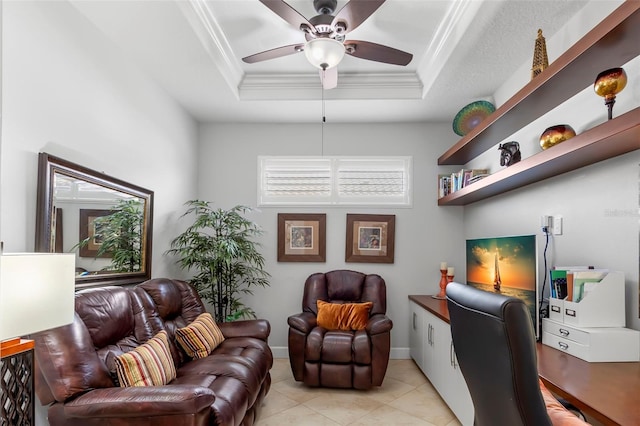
point(68, 92)
point(425, 234)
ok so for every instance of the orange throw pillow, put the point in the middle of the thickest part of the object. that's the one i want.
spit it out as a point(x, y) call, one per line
point(343, 316)
point(558, 414)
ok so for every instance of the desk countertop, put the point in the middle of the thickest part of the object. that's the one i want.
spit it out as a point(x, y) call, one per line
point(607, 391)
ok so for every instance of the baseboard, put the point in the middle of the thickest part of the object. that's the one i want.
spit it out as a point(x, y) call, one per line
point(280, 351)
point(395, 353)
point(400, 353)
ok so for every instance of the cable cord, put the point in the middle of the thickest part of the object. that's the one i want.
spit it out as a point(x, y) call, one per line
point(542, 311)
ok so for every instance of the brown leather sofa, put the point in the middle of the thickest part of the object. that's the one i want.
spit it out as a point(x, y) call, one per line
point(75, 363)
point(339, 358)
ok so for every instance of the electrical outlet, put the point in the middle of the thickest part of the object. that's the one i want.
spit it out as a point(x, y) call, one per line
point(546, 222)
point(556, 227)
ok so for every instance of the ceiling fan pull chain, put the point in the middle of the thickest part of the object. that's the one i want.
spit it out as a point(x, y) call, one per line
point(324, 118)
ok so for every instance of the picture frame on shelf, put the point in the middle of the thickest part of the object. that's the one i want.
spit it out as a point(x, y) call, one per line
point(88, 230)
point(370, 238)
point(302, 237)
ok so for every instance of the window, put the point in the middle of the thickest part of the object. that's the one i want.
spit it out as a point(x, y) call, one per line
point(379, 181)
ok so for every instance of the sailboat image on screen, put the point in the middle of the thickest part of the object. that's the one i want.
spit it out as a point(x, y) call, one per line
point(496, 275)
point(505, 265)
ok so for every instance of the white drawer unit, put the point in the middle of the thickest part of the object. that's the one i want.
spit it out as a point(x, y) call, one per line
point(595, 344)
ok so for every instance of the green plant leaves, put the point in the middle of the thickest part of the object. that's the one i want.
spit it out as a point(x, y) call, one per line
point(219, 248)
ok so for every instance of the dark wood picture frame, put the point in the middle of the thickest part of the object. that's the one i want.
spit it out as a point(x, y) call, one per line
point(370, 238)
point(87, 230)
point(302, 237)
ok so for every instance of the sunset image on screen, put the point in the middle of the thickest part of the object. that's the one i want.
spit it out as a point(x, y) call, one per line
point(505, 265)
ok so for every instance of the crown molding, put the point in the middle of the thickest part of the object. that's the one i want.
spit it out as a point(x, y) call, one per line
point(350, 86)
point(214, 41)
point(452, 28)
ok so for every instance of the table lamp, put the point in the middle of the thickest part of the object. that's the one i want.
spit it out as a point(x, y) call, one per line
point(36, 294)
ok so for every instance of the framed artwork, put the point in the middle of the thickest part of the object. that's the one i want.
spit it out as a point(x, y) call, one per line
point(302, 237)
point(88, 230)
point(370, 238)
point(506, 265)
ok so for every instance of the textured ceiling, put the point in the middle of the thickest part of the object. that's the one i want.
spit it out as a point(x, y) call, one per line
point(463, 50)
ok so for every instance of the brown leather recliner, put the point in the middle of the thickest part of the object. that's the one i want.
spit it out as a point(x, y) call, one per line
point(336, 358)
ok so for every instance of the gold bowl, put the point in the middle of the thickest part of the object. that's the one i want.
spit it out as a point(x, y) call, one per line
point(556, 134)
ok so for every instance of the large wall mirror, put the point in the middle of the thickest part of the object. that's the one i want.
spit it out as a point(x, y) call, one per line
point(105, 221)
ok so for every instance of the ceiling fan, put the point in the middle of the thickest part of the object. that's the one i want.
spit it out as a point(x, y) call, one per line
point(325, 34)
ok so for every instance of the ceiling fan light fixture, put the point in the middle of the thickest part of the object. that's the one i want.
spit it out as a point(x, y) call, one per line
point(324, 53)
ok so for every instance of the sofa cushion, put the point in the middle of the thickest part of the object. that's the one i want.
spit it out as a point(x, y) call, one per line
point(98, 306)
point(150, 364)
point(343, 316)
point(168, 305)
point(67, 362)
point(201, 337)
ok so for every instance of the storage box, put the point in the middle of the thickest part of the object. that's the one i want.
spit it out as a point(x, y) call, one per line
point(593, 344)
point(602, 306)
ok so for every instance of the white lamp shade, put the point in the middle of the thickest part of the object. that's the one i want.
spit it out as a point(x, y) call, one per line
point(324, 53)
point(36, 292)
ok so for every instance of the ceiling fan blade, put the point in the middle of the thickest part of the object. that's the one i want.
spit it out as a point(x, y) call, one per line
point(377, 52)
point(274, 53)
point(356, 12)
point(329, 78)
point(289, 14)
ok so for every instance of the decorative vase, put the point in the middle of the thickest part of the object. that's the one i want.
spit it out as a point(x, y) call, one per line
point(608, 84)
point(556, 134)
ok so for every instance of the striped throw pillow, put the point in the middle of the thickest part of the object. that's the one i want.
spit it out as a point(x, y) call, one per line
point(150, 364)
point(201, 337)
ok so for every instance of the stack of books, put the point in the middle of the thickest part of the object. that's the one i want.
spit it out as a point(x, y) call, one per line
point(457, 180)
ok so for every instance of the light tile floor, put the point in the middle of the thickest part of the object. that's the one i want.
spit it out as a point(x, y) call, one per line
point(406, 397)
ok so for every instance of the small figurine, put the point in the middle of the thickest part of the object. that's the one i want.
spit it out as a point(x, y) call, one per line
point(509, 153)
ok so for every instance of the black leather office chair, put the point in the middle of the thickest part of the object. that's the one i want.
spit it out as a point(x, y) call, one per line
point(494, 341)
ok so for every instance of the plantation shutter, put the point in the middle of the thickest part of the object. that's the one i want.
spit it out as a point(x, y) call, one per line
point(296, 181)
point(334, 181)
point(381, 181)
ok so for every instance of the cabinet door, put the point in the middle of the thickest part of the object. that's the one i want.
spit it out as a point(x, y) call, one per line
point(458, 396)
point(433, 358)
point(417, 334)
point(450, 382)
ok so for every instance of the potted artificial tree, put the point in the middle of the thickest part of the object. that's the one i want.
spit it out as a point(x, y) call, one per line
point(220, 249)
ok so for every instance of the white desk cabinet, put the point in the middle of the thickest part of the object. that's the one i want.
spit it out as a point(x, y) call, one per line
point(431, 348)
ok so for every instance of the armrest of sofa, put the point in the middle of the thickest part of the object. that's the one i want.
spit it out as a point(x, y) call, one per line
point(304, 322)
point(257, 328)
point(140, 401)
point(379, 324)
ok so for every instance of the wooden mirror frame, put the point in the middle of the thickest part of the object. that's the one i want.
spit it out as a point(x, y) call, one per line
point(48, 166)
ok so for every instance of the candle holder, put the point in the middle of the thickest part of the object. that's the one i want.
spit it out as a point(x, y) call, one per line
point(608, 84)
point(449, 278)
point(443, 285)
